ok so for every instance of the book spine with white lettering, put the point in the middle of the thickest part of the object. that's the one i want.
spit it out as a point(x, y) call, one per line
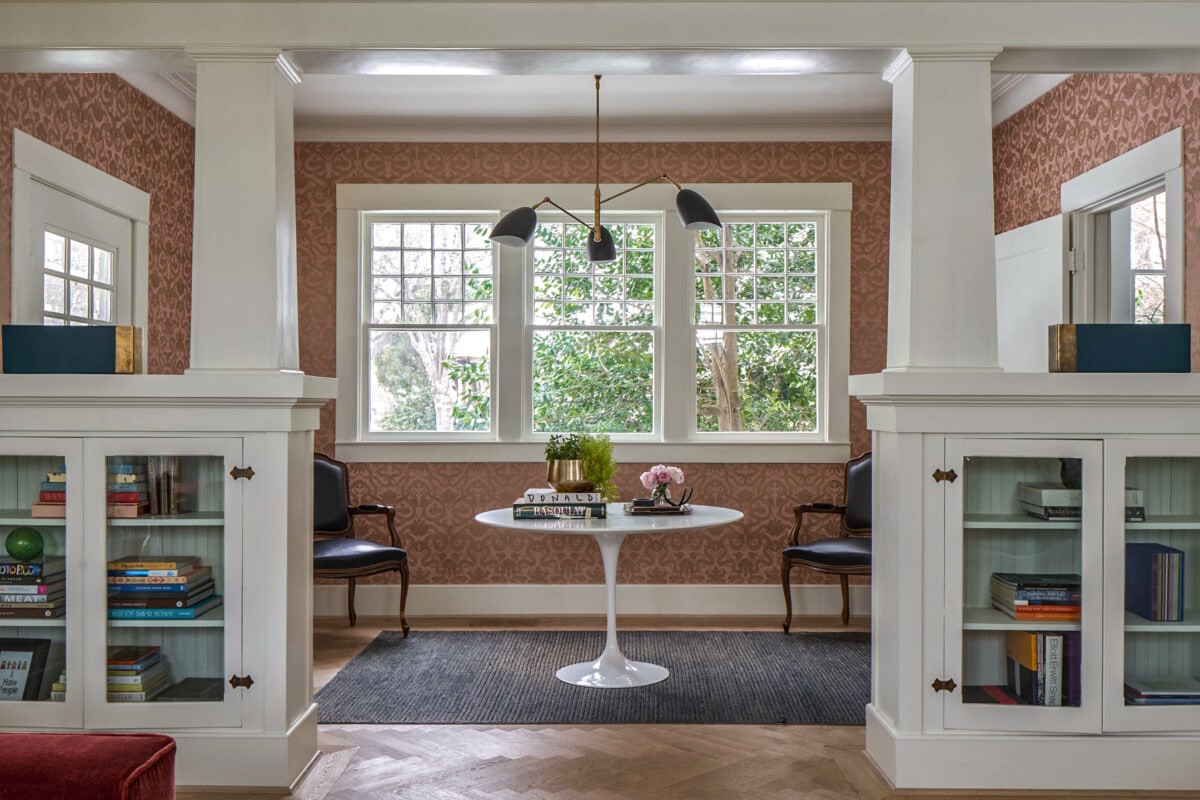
point(547, 511)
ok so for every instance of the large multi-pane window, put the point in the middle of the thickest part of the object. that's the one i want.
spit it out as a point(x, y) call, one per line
point(717, 339)
point(593, 331)
point(430, 288)
point(757, 320)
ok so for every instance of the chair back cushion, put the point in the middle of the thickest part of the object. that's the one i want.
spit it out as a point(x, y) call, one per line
point(330, 514)
point(858, 494)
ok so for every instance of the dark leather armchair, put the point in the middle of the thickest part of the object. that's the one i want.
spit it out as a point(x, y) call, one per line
point(336, 551)
point(847, 554)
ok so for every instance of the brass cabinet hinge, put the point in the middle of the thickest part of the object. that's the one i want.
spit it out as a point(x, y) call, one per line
point(242, 472)
point(940, 475)
point(244, 683)
point(940, 685)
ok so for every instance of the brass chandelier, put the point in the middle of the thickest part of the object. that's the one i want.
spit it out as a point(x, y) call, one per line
point(516, 228)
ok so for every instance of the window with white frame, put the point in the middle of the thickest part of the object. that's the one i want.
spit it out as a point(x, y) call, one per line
point(429, 288)
point(78, 281)
point(759, 324)
point(593, 330)
point(80, 241)
point(714, 345)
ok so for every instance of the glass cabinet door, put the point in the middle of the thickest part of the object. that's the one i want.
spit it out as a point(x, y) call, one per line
point(168, 575)
point(1152, 515)
point(40, 583)
point(1023, 571)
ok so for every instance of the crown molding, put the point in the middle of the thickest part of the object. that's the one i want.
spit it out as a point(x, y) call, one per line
point(176, 92)
point(454, 129)
point(1011, 93)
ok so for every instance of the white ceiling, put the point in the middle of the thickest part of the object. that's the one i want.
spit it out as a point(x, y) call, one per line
point(547, 95)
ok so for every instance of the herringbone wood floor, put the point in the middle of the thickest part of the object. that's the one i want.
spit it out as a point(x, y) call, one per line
point(597, 762)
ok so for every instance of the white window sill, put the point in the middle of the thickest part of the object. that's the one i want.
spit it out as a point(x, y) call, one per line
point(748, 452)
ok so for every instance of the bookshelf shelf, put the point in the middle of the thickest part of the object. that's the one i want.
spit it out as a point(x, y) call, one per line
point(1189, 624)
point(21, 516)
point(1010, 522)
point(193, 519)
point(57, 622)
point(991, 619)
point(1180, 522)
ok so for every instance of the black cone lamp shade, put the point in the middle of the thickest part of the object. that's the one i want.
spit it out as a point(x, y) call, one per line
point(695, 213)
point(603, 251)
point(515, 228)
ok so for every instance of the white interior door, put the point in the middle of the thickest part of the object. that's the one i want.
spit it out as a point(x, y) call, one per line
point(1030, 291)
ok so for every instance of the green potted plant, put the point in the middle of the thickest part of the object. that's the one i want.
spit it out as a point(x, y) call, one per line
point(596, 453)
point(564, 464)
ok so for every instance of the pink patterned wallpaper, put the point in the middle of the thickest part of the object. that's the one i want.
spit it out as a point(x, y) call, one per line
point(446, 545)
point(1085, 121)
point(102, 120)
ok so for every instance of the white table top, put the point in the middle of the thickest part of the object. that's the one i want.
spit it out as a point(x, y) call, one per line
point(617, 521)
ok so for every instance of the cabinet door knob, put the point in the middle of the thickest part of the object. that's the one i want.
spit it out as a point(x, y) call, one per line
point(244, 683)
point(242, 472)
point(945, 475)
point(944, 685)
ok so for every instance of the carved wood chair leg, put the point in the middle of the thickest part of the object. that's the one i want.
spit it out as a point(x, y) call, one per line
point(350, 602)
point(845, 599)
point(787, 595)
point(403, 595)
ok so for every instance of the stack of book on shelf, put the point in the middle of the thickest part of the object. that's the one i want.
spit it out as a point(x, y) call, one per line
point(1154, 581)
point(1055, 501)
point(160, 587)
point(163, 480)
point(1037, 596)
point(136, 673)
point(33, 589)
point(549, 504)
point(1162, 691)
point(1043, 668)
point(52, 497)
point(127, 493)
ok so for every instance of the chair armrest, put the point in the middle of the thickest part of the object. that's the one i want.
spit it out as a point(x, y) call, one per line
point(810, 508)
point(389, 512)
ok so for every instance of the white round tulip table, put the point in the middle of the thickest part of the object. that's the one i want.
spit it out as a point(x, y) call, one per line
point(612, 670)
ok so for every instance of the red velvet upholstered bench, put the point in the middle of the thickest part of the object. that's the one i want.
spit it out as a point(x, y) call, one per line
point(87, 766)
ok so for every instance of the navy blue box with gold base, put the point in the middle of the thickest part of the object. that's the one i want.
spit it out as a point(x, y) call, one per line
point(98, 349)
point(1120, 348)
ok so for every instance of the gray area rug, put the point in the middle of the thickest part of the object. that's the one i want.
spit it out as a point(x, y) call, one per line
point(507, 677)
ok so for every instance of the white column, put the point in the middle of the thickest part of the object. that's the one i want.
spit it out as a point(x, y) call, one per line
point(244, 247)
point(942, 284)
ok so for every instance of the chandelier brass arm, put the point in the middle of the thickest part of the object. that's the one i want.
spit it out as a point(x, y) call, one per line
point(516, 228)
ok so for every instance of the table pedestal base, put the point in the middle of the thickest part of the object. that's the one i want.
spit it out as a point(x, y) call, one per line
point(608, 672)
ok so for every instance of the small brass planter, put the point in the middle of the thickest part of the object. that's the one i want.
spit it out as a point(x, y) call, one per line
point(566, 475)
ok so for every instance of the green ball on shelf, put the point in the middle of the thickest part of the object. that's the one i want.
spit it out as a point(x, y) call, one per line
point(24, 544)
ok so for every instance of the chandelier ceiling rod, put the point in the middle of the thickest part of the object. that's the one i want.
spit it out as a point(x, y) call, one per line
point(516, 228)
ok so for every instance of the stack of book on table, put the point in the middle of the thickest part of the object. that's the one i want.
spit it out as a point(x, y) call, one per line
point(126, 488)
point(1037, 596)
point(1162, 691)
point(52, 496)
point(1154, 581)
point(1055, 501)
point(549, 504)
point(136, 673)
point(160, 587)
point(33, 589)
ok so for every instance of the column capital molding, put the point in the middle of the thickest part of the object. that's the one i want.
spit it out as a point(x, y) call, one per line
point(248, 55)
point(911, 55)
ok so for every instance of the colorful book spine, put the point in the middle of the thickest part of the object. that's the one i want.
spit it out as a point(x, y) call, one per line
point(148, 573)
point(53, 486)
point(192, 576)
point(165, 613)
point(52, 497)
point(181, 588)
point(17, 599)
point(579, 511)
point(127, 497)
point(30, 612)
point(26, 588)
point(19, 569)
point(164, 562)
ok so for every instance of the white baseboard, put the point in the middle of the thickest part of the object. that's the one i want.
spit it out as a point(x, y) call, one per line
point(480, 600)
